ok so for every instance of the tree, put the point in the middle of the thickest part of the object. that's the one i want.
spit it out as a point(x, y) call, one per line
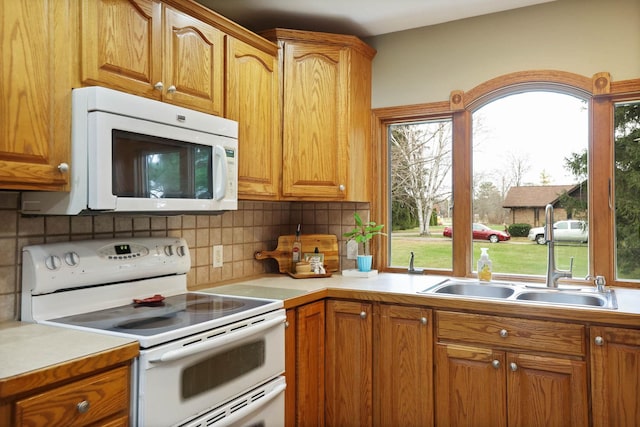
point(488, 203)
point(421, 158)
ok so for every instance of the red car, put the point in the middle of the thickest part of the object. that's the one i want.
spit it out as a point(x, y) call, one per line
point(482, 232)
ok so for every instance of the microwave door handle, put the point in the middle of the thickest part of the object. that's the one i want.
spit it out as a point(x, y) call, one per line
point(253, 407)
point(218, 343)
point(220, 169)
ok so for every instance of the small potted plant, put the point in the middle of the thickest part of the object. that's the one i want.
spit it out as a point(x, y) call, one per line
point(363, 233)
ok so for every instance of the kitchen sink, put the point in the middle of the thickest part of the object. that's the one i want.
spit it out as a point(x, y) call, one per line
point(475, 290)
point(571, 296)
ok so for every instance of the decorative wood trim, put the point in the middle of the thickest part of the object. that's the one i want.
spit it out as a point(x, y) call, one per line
point(456, 100)
point(601, 84)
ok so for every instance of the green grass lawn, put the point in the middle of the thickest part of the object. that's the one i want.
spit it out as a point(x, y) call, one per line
point(516, 256)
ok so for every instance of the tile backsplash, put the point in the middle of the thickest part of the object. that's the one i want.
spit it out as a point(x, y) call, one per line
point(255, 226)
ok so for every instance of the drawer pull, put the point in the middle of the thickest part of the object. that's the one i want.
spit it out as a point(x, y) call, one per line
point(83, 406)
point(599, 340)
point(513, 366)
point(495, 363)
point(423, 320)
point(504, 333)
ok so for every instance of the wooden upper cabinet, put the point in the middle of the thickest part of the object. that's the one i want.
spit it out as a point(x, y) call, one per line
point(326, 110)
point(122, 45)
point(252, 100)
point(615, 376)
point(35, 100)
point(193, 63)
point(130, 46)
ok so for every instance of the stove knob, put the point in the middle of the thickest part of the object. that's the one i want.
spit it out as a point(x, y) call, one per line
point(181, 251)
point(53, 262)
point(168, 250)
point(71, 258)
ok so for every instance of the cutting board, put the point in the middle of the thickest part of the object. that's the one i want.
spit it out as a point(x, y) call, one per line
point(326, 244)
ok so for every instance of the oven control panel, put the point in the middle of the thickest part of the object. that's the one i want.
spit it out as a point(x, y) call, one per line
point(63, 265)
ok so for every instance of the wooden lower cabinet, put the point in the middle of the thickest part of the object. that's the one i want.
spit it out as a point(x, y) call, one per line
point(615, 376)
point(403, 366)
point(349, 363)
point(304, 337)
point(485, 377)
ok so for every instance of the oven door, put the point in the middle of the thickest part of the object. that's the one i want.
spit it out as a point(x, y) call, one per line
point(185, 379)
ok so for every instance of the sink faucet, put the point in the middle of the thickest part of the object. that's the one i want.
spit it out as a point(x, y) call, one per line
point(553, 274)
point(412, 269)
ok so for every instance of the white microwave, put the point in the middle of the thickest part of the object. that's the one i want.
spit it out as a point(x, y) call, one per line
point(137, 155)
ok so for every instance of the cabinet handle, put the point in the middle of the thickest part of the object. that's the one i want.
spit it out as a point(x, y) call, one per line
point(63, 167)
point(83, 406)
point(599, 340)
point(341, 187)
point(363, 314)
point(513, 366)
point(423, 320)
point(158, 86)
point(495, 363)
point(171, 89)
point(286, 324)
point(504, 333)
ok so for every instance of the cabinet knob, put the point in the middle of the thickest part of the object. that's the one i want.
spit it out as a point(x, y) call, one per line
point(513, 366)
point(158, 86)
point(423, 320)
point(495, 363)
point(171, 89)
point(599, 340)
point(83, 406)
point(363, 314)
point(286, 324)
point(341, 187)
point(63, 167)
point(504, 333)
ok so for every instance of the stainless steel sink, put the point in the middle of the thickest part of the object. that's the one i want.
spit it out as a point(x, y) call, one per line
point(571, 298)
point(585, 297)
point(473, 290)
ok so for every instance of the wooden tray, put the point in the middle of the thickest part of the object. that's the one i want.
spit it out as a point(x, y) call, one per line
point(307, 275)
point(326, 244)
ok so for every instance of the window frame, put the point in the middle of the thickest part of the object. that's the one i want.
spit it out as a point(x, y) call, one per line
point(601, 92)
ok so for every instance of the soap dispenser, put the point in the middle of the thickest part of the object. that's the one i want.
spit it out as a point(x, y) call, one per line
point(484, 266)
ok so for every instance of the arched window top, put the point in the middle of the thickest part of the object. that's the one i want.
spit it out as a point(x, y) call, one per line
point(523, 81)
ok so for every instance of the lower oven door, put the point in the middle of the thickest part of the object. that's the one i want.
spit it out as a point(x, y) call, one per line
point(261, 407)
point(185, 379)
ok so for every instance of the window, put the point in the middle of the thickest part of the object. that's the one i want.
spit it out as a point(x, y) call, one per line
point(420, 154)
point(600, 216)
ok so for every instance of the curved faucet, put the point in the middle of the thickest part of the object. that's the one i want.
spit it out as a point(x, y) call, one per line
point(553, 274)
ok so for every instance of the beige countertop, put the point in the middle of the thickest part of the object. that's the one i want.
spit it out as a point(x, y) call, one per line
point(27, 347)
point(404, 288)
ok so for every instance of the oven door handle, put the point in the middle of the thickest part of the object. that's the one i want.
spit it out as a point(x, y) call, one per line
point(253, 407)
point(213, 343)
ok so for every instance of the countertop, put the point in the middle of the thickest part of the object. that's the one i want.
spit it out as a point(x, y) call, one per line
point(404, 288)
point(27, 348)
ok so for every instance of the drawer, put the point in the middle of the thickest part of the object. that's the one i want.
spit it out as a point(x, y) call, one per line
point(511, 333)
point(105, 394)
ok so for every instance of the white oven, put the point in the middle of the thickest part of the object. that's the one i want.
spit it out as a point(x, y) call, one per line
point(205, 359)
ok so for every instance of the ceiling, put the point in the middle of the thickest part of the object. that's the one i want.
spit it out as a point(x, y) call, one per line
point(362, 18)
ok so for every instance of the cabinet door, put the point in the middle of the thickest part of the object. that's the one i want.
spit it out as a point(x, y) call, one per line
point(122, 45)
point(314, 129)
point(615, 376)
point(310, 336)
point(35, 100)
point(470, 386)
point(193, 63)
point(349, 364)
point(404, 380)
point(546, 391)
point(252, 100)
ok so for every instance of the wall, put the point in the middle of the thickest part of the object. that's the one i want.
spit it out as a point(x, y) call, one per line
point(253, 227)
point(579, 36)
